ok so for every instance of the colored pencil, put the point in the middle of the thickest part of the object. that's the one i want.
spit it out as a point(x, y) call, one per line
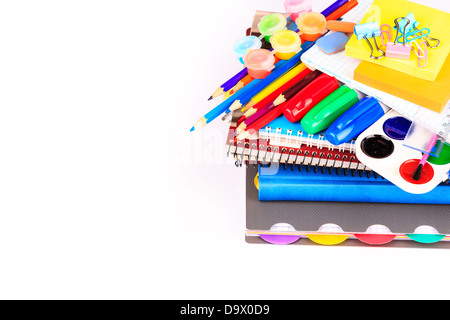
point(271, 97)
point(223, 107)
point(292, 92)
point(229, 84)
point(271, 78)
point(342, 10)
point(335, 6)
point(288, 76)
point(245, 81)
point(261, 122)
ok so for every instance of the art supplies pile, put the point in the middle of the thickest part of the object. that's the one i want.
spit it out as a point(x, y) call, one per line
point(343, 110)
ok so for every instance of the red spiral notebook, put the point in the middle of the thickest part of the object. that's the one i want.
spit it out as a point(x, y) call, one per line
point(267, 149)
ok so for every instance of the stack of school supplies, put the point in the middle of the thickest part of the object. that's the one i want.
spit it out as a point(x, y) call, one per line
point(313, 138)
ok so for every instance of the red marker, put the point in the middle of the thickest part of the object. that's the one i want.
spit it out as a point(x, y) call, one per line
point(309, 97)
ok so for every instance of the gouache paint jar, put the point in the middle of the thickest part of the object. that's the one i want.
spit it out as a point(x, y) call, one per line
point(246, 44)
point(259, 63)
point(272, 23)
point(286, 44)
point(311, 25)
point(295, 7)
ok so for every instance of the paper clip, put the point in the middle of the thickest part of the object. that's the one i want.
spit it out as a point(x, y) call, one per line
point(419, 34)
point(396, 50)
point(372, 29)
point(422, 58)
point(385, 32)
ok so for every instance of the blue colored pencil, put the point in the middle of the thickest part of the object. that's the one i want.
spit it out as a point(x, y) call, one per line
point(229, 84)
point(225, 105)
point(277, 73)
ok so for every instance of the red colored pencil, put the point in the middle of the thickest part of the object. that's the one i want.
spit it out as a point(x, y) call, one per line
point(261, 122)
point(271, 97)
point(342, 10)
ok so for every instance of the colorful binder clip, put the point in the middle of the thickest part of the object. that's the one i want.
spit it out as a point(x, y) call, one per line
point(397, 50)
point(413, 25)
point(366, 30)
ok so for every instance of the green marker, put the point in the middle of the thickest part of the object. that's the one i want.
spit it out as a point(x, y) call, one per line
point(324, 114)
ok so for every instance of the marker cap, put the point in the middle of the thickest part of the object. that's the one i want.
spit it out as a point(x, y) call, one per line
point(272, 23)
point(355, 121)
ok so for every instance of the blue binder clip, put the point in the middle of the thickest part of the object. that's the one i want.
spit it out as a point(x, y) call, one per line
point(367, 30)
point(412, 29)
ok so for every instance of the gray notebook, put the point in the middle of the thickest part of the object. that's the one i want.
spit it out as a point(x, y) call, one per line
point(352, 218)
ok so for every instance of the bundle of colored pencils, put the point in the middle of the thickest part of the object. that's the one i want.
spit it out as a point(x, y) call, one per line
point(263, 100)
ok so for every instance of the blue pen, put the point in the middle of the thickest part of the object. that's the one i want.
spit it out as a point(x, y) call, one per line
point(355, 121)
point(272, 77)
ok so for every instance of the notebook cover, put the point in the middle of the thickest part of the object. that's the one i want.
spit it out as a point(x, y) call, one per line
point(430, 95)
point(354, 218)
point(389, 10)
point(305, 184)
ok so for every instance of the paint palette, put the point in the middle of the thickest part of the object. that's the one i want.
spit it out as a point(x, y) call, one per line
point(381, 148)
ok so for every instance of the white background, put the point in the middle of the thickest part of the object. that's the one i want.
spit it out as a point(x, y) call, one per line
point(104, 193)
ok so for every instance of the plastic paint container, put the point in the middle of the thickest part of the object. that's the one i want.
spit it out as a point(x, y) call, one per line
point(295, 7)
point(286, 44)
point(246, 44)
point(259, 63)
point(311, 25)
point(272, 23)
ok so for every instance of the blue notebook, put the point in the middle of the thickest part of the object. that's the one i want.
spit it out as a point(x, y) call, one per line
point(282, 132)
point(291, 184)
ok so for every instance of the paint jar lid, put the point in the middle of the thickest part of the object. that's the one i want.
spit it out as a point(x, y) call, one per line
point(286, 41)
point(298, 5)
point(312, 23)
point(272, 23)
point(260, 59)
point(244, 45)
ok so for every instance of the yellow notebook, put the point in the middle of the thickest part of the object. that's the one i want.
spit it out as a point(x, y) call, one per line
point(431, 95)
point(386, 11)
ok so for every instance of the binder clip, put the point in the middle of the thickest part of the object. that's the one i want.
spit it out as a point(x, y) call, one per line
point(412, 29)
point(395, 49)
point(366, 30)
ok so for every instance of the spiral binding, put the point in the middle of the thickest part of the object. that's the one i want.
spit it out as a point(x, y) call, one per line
point(297, 159)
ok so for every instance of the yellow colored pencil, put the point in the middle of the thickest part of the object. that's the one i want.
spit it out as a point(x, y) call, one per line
point(271, 88)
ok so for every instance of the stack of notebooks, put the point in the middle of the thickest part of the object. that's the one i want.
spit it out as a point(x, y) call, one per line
point(302, 189)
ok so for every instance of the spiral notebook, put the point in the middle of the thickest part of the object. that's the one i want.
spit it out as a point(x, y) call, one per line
point(343, 68)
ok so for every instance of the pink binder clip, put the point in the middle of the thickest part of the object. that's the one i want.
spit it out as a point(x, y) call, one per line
point(397, 50)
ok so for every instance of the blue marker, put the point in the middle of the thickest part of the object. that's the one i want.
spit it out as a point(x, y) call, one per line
point(355, 121)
